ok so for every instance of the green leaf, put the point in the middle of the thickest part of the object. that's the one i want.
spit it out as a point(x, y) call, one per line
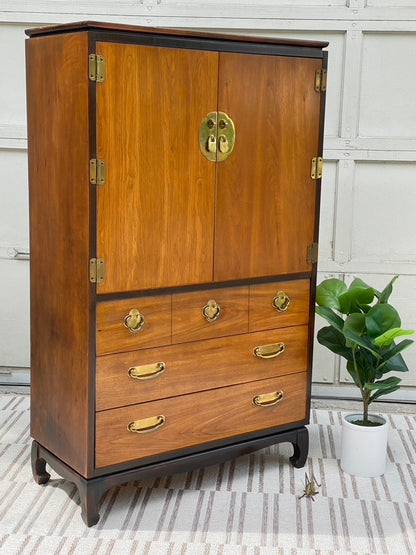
point(365, 367)
point(353, 373)
point(384, 296)
point(383, 387)
point(358, 296)
point(381, 392)
point(354, 331)
point(328, 293)
point(397, 364)
point(392, 360)
point(354, 324)
point(380, 319)
point(331, 317)
point(334, 341)
point(388, 337)
point(383, 384)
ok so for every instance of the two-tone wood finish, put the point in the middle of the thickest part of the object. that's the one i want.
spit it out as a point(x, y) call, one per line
point(197, 366)
point(199, 419)
point(58, 134)
point(196, 345)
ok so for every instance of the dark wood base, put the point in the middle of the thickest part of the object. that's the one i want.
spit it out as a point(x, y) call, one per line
point(91, 490)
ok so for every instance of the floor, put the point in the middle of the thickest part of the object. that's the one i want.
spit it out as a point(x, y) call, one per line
point(251, 505)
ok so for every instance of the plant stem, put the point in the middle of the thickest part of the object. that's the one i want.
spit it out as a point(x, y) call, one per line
point(364, 393)
point(365, 415)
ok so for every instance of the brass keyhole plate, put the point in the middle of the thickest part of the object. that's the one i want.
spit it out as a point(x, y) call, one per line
point(217, 136)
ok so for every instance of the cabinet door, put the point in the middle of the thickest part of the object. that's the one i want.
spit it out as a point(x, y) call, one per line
point(266, 199)
point(155, 213)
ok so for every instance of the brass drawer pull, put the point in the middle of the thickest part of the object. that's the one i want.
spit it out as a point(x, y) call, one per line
point(147, 371)
point(134, 321)
point(147, 424)
point(269, 351)
point(281, 302)
point(211, 311)
point(268, 399)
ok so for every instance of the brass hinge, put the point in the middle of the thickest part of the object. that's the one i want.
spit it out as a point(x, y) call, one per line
point(316, 168)
point(97, 172)
point(96, 68)
point(97, 270)
point(320, 80)
point(313, 253)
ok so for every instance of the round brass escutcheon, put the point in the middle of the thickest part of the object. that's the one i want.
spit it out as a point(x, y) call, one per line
point(281, 302)
point(211, 311)
point(134, 321)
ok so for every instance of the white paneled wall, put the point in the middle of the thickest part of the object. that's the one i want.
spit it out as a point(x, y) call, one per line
point(368, 223)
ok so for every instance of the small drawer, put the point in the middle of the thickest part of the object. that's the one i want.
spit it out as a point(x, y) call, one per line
point(158, 427)
point(130, 378)
point(279, 304)
point(210, 313)
point(133, 324)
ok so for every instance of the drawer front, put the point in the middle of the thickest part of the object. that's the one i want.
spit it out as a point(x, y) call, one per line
point(149, 318)
point(198, 419)
point(210, 313)
point(281, 304)
point(136, 377)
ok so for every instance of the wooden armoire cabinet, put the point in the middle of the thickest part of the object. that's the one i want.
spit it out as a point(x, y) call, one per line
point(174, 200)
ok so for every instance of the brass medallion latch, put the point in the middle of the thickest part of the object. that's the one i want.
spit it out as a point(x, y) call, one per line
point(134, 321)
point(211, 311)
point(217, 136)
point(281, 302)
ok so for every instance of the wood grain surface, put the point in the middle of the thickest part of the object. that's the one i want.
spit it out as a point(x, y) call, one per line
point(199, 365)
point(198, 419)
point(114, 337)
point(58, 134)
point(263, 315)
point(155, 215)
point(266, 199)
point(189, 323)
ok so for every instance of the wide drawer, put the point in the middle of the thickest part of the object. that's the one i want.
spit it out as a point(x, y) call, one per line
point(149, 319)
point(280, 304)
point(139, 376)
point(199, 418)
point(209, 313)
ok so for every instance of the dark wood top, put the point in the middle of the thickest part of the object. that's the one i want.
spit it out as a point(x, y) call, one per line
point(117, 27)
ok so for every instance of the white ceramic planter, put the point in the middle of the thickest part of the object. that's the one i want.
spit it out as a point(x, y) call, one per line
point(364, 448)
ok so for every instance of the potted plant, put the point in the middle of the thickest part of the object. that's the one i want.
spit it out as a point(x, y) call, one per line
point(365, 330)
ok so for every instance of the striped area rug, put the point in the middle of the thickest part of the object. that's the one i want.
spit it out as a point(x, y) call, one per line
point(248, 506)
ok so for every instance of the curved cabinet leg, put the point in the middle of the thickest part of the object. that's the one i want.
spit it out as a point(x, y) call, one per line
point(90, 495)
point(38, 466)
point(300, 448)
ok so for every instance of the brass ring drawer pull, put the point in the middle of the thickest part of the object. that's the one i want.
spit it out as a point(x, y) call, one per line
point(211, 311)
point(281, 302)
point(147, 371)
point(147, 424)
point(268, 399)
point(134, 321)
point(269, 351)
